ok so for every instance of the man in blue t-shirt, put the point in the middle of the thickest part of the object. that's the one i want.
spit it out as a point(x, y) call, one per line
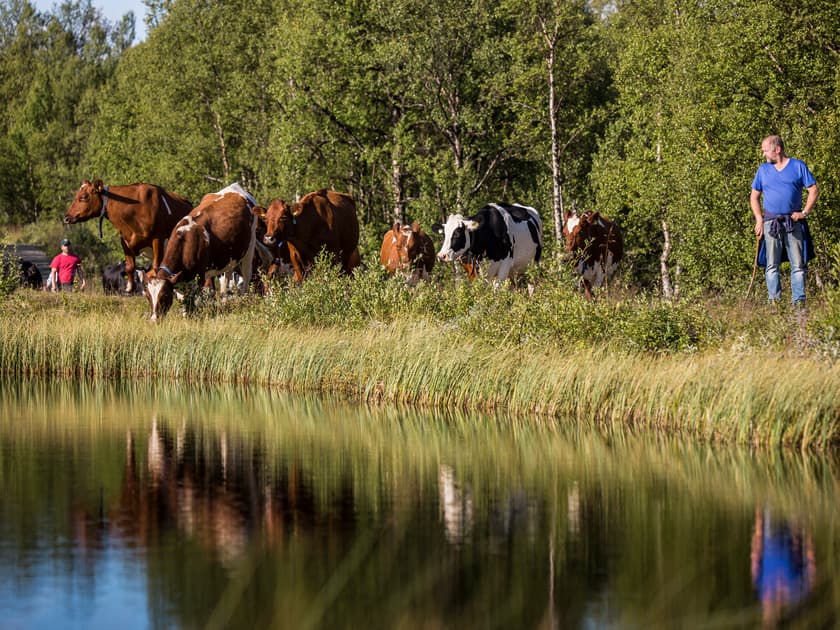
point(781, 181)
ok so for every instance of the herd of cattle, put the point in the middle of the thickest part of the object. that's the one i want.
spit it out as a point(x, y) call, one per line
point(229, 231)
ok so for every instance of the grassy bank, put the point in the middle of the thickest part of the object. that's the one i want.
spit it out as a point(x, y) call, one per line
point(714, 371)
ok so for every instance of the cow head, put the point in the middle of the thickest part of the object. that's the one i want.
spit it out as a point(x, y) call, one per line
point(280, 221)
point(582, 234)
point(406, 248)
point(159, 290)
point(457, 235)
point(591, 237)
point(394, 255)
point(189, 247)
point(87, 203)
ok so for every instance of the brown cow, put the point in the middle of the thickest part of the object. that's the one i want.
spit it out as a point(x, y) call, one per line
point(408, 250)
point(143, 214)
point(322, 220)
point(596, 246)
point(217, 237)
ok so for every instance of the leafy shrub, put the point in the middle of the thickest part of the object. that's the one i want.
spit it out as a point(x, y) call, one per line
point(9, 272)
point(661, 327)
point(825, 324)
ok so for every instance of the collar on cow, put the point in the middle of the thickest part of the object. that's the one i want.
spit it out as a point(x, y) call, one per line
point(104, 213)
point(166, 269)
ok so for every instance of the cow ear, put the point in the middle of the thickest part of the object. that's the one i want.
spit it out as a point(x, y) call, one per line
point(415, 227)
point(98, 185)
point(396, 227)
point(258, 211)
point(437, 228)
point(471, 226)
point(174, 278)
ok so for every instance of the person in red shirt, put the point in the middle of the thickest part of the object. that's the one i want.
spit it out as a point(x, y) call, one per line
point(64, 268)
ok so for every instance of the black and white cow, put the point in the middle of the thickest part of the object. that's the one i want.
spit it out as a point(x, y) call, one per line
point(508, 236)
point(115, 280)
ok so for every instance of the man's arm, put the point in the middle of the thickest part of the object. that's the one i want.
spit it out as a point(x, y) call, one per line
point(810, 202)
point(755, 205)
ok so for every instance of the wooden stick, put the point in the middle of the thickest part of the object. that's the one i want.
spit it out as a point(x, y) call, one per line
point(755, 265)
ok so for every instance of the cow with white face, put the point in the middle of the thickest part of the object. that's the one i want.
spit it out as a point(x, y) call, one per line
point(217, 237)
point(595, 245)
point(508, 236)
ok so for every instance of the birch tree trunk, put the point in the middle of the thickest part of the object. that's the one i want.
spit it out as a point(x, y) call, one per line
point(667, 287)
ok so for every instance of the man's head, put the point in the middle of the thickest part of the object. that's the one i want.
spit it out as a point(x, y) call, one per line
point(773, 148)
point(65, 244)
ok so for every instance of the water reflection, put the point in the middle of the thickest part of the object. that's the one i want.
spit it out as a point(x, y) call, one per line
point(456, 503)
point(783, 564)
point(242, 508)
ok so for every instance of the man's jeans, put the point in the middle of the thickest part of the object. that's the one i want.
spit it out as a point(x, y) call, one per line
point(794, 243)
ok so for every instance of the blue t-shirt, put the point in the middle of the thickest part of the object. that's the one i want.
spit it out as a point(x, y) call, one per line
point(782, 190)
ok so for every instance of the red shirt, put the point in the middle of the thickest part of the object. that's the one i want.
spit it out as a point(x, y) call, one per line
point(66, 265)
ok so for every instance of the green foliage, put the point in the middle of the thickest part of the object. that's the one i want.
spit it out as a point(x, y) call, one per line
point(660, 109)
point(9, 272)
point(53, 68)
point(553, 313)
point(825, 323)
point(698, 88)
point(661, 327)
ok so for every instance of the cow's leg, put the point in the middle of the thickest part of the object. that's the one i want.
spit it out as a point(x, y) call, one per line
point(298, 264)
point(246, 265)
point(352, 261)
point(157, 253)
point(129, 268)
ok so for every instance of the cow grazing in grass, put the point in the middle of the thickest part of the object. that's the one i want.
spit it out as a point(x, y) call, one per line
point(507, 236)
point(408, 250)
point(217, 237)
point(321, 220)
point(595, 245)
point(143, 214)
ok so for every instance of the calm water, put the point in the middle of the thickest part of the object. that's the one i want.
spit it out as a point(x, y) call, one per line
point(195, 507)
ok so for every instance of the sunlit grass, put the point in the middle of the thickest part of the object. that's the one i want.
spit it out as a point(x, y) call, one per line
point(732, 393)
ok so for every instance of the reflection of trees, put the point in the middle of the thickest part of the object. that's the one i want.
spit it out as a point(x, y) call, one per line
point(456, 504)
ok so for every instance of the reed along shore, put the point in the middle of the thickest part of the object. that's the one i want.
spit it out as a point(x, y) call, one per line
point(731, 392)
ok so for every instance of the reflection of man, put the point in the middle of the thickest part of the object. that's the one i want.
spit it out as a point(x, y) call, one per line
point(783, 567)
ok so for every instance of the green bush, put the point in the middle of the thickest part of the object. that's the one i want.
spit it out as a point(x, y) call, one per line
point(9, 272)
point(660, 327)
point(825, 323)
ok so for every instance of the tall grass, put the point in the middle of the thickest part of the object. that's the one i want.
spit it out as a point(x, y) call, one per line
point(474, 349)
